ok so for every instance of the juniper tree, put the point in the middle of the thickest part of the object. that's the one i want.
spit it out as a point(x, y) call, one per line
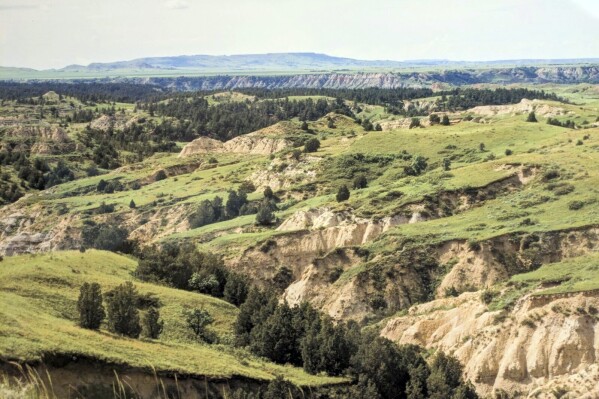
point(123, 316)
point(342, 194)
point(89, 305)
point(152, 324)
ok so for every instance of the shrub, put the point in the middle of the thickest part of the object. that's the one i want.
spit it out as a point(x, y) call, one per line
point(360, 182)
point(89, 306)
point(161, 175)
point(415, 122)
point(508, 152)
point(132, 204)
point(282, 278)
point(123, 316)
point(342, 194)
point(486, 296)
point(575, 205)
point(446, 164)
point(445, 120)
point(152, 324)
point(312, 145)
point(265, 215)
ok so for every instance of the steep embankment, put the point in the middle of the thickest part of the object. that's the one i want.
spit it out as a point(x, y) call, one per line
point(546, 74)
point(534, 351)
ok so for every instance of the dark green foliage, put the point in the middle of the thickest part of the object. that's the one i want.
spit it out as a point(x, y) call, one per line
point(312, 145)
point(386, 365)
point(531, 117)
point(508, 152)
point(487, 297)
point(247, 187)
point(236, 289)
point(197, 320)
point(342, 194)
point(224, 121)
point(265, 215)
point(378, 127)
point(331, 124)
point(207, 212)
point(567, 124)
point(269, 194)
point(161, 175)
point(234, 203)
point(325, 347)
point(175, 265)
point(575, 205)
point(445, 120)
point(276, 338)
point(59, 174)
point(418, 165)
point(481, 147)
point(415, 122)
point(107, 237)
point(282, 389)
point(123, 316)
point(446, 164)
point(132, 204)
point(89, 306)
point(151, 323)
point(434, 119)
point(360, 182)
point(445, 379)
point(282, 278)
point(367, 125)
point(258, 306)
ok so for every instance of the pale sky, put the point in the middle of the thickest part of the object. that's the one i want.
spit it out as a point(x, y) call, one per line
point(56, 33)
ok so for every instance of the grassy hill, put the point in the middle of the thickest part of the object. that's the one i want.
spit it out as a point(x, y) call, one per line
point(38, 318)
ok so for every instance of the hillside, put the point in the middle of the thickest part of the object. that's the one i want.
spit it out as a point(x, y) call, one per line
point(38, 323)
point(470, 227)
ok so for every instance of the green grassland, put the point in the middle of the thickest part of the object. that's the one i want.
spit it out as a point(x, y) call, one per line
point(570, 275)
point(38, 316)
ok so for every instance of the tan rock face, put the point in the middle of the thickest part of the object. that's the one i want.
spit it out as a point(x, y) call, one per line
point(534, 350)
point(46, 140)
point(525, 106)
point(262, 142)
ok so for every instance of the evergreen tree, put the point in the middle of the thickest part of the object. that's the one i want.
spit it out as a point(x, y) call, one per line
point(281, 389)
point(132, 204)
point(258, 306)
point(152, 324)
point(312, 145)
point(342, 194)
point(123, 316)
point(265, 215)
point(89, 305)
point(445, 120)
point(236, 289)
point(360, 182)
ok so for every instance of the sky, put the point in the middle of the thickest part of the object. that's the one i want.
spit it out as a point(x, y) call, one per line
point(54, 33)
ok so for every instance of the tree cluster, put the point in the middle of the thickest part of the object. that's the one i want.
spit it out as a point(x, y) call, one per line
point(184, 267)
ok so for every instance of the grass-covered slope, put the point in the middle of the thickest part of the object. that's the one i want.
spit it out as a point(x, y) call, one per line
point(38, 316)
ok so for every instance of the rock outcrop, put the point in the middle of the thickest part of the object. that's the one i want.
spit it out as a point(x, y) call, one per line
point(261, 142)
point(532, 349)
